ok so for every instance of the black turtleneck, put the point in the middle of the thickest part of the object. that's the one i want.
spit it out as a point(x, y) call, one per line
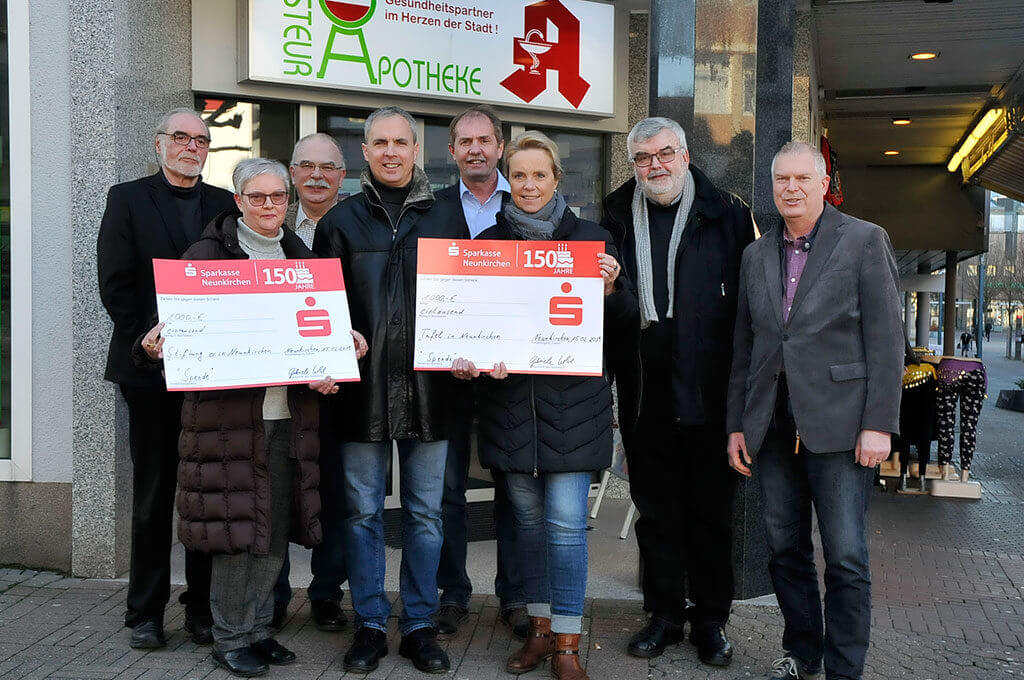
point(656, 339)
point(393, 199)
point(189, 207)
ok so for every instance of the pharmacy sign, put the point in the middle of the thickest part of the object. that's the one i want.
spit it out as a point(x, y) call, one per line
point(548, 54)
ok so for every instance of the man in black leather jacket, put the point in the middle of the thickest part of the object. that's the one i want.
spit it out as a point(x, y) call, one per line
point(681, 241)
point(374, 234)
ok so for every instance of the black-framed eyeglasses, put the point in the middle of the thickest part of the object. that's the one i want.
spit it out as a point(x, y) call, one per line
point(309, 166)
point(666, 155)
point(258, 198)
point(202, 141)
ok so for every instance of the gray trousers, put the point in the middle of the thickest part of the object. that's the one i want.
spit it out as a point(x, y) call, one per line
point(242, 585)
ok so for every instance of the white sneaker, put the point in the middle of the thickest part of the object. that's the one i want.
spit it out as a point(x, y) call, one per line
point(789, 668)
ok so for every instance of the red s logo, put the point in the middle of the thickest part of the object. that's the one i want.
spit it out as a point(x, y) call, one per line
point(566, 311)
point(313, 323)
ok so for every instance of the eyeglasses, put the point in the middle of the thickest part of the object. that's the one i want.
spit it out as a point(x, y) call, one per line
point(309, 166)
point(202, 141)
point(257, 199)
point(666, 155)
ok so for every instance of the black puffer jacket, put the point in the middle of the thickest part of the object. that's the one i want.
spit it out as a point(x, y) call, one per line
point(378, 260)
point(223, 497)
point(707, 264)
point(553, 423)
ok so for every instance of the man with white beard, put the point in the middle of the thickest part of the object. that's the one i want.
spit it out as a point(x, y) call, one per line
point(158, 216)
point(317, 169)
point(681, 240)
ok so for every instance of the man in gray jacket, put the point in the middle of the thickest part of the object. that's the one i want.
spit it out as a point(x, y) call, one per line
point(814, 392)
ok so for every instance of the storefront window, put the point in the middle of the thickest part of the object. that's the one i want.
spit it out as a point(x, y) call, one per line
point(348, 131)
point(437, 161)
point(582, 182)
point(5, 244)
point(241, 129)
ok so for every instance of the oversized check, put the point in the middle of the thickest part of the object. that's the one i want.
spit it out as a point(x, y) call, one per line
point(536, 305)
point(253, 323)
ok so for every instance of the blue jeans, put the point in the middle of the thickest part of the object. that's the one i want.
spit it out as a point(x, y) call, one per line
point(551, 524)
point(839, 490)
point(452, 578)
point(421, 470)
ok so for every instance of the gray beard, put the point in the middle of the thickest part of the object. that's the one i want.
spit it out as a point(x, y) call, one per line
point(666, 198)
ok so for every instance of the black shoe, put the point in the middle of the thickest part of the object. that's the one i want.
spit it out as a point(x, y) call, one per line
point(713, 647)
point(421, 647)
point(518, 620)
point(199, 627)
point(273, 652)
point(148, 635)
point(653, 638)
point(240, 662)
point(449, 618)
point(327, 615)
point(280, 614)
point(369, 646)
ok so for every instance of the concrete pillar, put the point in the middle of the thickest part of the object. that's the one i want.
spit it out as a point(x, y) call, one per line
point(130, 62)
point(949, 313)
point(736, 151)
point(908, 314)
point(924, 305)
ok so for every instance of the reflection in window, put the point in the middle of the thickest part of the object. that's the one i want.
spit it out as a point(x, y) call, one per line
point(722, 139)
point(437, 160)
point(348, 131)
point(241, 129)
point(5, 244)
point(582, 184)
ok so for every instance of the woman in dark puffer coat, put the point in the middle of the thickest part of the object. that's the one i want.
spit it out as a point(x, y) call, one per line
point(549, 433)
point(249, 475)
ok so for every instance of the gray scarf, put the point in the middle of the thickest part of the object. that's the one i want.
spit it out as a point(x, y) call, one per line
point(538, 226)
point(642, 233)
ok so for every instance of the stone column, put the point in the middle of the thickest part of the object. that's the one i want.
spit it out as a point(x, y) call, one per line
point(949, 312)
point(908, 315)
point(130, 62)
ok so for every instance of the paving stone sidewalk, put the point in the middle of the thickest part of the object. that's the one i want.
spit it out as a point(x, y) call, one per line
point(948, 579)
point(55, 627)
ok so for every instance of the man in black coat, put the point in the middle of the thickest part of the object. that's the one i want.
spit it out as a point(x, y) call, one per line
point(476, 143)
point(375, 235)
point(155, 217)
point(681, 240)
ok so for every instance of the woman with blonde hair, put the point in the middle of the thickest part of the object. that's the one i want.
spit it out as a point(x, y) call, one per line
point(549, 433)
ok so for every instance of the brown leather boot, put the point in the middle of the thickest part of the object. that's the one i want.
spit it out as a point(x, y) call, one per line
point(540, 645)
point(565, 664)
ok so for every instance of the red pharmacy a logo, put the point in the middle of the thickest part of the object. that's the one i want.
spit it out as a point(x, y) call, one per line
point(537, 55)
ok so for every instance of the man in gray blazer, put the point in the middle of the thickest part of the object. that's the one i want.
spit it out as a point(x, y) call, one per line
point(814, 392)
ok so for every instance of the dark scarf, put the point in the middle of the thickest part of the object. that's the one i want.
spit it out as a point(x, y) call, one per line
point(538, 226)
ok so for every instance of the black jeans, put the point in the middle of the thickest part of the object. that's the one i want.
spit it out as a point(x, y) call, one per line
point(681, 482)
point(839, 490)
point(154, 424)
point(452, 579)
point(327, 561)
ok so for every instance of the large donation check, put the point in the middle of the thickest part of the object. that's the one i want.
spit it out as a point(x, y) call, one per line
point(253, 323)
point(536, 305)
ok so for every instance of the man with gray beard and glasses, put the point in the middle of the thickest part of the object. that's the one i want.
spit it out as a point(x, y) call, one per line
point(317, 169)
point(681, 240)
point(158, 216)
